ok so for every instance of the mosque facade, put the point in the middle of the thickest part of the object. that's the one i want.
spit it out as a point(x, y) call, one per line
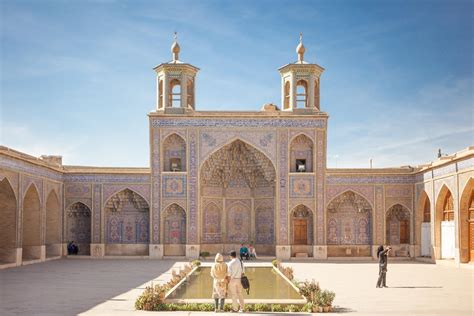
point(220, 179)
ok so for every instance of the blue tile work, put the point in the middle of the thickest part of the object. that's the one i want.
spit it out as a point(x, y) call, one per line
point(375, 179)
point(173, 122)
point(21, 166)
point(174, 186)
point(451, 168)
point(107, 178)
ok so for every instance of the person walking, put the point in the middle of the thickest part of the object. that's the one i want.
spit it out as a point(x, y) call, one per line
point(235, 271)
point(382, 254)
point(219, 286)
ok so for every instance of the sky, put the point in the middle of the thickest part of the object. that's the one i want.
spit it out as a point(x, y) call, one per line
point(76, 77)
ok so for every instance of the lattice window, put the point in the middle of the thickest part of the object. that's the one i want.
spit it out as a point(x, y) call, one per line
point(426, 212)
point(448, 208)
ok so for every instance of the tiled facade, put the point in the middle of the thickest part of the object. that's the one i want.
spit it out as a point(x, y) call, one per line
point(218, 179)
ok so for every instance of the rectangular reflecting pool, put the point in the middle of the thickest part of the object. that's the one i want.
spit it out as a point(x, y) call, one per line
point(266, 285)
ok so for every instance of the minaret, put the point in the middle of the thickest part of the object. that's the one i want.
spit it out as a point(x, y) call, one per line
point(300, 83)
point(175, 83)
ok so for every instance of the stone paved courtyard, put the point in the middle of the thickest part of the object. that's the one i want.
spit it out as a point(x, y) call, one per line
point(109, 287)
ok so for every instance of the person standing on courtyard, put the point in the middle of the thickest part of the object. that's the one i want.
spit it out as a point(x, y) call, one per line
point(219, 288)
point(382, 254)
point(235, 271)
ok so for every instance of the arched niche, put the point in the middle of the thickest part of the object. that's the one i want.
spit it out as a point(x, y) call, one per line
point(286, 92)
point(174, 230)
point(301, 230)
point(78, 226)
point(466, 223)
point(348, 226)
point(397, 225)
point(8, 224)
point(301, 154)
point(127, 224)
point(174, 153)
point(53, 225)
point(31, 225)
point(212, 224)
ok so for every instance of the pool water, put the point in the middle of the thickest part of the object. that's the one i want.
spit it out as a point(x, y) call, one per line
point(265, 283)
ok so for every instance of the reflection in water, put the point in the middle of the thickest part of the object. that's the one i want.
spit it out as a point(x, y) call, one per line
point(265, 283)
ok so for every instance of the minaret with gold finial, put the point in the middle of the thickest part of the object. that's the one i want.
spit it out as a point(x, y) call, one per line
point(300, 84)
point(175, 83)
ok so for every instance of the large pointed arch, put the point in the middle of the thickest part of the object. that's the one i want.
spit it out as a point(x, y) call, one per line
point(31, 224)
point(78, 226)
point(8, 222)
point(466, 223)
point(127, 218)
point(349, 225)
point(53, 225)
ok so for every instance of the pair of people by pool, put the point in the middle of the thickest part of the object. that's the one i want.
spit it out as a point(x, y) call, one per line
point(227, 282)
point(247, 253)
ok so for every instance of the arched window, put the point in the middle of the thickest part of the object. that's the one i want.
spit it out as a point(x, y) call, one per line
point(287, 96)
point(448, 208)
point(175, 95)
point(316, 94)
point(426, 212)
point(301, 94)
point(160, 94)
point(190, 91)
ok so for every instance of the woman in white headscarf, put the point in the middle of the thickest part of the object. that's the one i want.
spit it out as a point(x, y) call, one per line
point(219, 288)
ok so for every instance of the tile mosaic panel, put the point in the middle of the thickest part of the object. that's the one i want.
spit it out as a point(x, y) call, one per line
point(301, 186)
point(82, 190)
point(370, 179)
point(283, 178)
point(225, 123)
point(110, 189)
point(22, 166)
point(174, 186)
point(193, 187)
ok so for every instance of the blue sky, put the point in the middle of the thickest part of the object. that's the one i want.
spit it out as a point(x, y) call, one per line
point(77, 78)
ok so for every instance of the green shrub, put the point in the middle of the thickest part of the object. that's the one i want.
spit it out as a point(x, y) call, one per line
point(310, 290)
point(262, 307)
point(151, 298)
point(196, 263)
point(275, 263)
point(292, 308)
point(277, 308)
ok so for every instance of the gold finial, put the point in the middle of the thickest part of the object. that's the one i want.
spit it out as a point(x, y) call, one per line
point(175, 49)
point(300, 49)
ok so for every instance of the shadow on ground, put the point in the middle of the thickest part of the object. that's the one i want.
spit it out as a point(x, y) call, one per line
point(70, 287)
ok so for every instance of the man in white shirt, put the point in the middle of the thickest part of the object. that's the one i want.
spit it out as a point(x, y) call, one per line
point(234, 273)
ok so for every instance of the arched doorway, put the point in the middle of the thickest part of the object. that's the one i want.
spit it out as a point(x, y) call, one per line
point(78, 227)
point(53, 226)
point(7, 223)
point(444, 225)
point(31, 225)
point(302, 224)
point(174, 231)
point(398, 230)
point(127, 224)
point(348, 226)
point(466, 223)
point(424, 234)
point(239, 181)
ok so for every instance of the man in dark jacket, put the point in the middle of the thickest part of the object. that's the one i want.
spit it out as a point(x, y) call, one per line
point(382, 254)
